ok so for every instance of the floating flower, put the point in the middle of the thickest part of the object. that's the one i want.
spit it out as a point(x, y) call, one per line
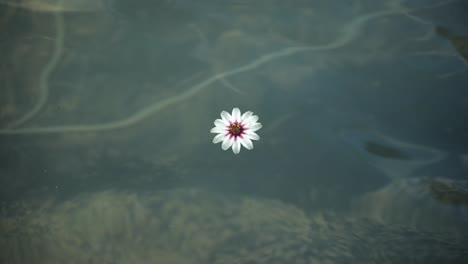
point(235, 130)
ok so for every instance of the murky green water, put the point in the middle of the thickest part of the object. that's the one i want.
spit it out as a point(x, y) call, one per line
point(106, 154)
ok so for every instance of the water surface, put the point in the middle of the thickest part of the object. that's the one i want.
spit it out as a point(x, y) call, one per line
point(106, 108)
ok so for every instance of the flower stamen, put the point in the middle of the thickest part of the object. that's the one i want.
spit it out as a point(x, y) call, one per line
point(235, 129)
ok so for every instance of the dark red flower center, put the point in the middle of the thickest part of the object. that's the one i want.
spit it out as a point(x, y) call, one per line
point(235, 129)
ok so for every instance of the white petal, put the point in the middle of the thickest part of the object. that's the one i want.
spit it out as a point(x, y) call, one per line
point(218, 138)
point(227, 143)
point(251, 135)
point(246, 142)
point(236, 115)
point(251, 120)
point(225, 116)
point(217, 130)
point(236, 146)
point(254, 127)
point(246, 115)
point(220, 123)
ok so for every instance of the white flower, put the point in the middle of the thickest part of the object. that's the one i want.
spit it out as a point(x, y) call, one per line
point(236, 130)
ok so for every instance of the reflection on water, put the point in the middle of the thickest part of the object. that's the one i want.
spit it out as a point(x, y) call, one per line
point(363, 106)
point(57, 5)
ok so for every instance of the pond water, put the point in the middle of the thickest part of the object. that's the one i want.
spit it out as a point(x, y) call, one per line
point(106, 154)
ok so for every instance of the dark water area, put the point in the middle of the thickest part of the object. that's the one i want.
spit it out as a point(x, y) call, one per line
point(106, 154)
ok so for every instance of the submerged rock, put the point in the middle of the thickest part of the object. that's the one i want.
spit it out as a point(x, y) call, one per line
point(458, 41)
point(424, 203)
point(193, 226)
point(451, 192)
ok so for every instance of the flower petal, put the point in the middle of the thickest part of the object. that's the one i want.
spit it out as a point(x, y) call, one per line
point(220, 123)
point(249, 123)
point(254, 127)
point(251, 120)
point(236, 146)
point(246, 115)
point(227, 143)
point(218, 138)
point(225, 116)
point(251, 135)
point(246, 142)
point(236, 115)
point(217, 130)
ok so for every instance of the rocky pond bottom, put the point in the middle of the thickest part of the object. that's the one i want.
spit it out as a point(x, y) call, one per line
point(196, 226)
